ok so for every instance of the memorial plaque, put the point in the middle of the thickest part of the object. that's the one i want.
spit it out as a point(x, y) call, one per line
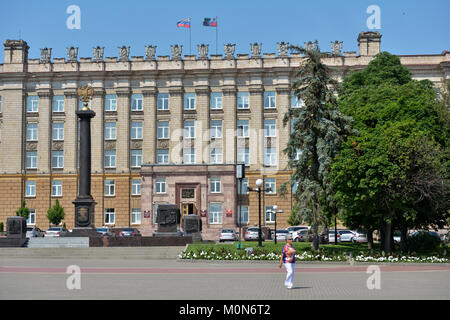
point(167, 218)
point(188, 193)
point(192, 226)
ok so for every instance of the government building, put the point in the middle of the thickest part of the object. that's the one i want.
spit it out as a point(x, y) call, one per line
point(168, 129)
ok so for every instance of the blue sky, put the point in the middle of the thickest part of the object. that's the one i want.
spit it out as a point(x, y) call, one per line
point(407, 26)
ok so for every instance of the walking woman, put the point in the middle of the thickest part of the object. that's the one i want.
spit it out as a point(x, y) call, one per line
point(288, 259)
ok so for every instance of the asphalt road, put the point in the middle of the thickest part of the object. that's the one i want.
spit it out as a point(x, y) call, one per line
point(155, 279)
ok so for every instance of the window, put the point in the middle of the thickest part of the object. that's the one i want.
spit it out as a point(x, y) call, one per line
point(110, 131)
point(58, 104)
point(136, 158)
point(110, 159)
point(243, 156)
point(160, 186)
point(216, 100)
point(243, 100)
point(31, 160)
point(33, 104)
point(215, 213)
point(30, 188)
point(216, 155)
point(242, 127)
point(136, 187)
point(162, 156)
point(136, 216)
point(214, 183)
point(32, 131)
point(189, 101)
point(270, 216)
point(136, 130)
point(189, 129)
point(57, 159)
point(110, 216)
point(163, 101)
point(189, 155)
point(244, 187)
point(216, 129)
point(295, 102)
point(163, 129)
point(111, 102)
point(56, 188)
point(137, 102)
point(32, 217)
point(270, 128)
point(269, 100)
point(243, 214)
point(110, 188)
point(271, 183)
point(270, 157)
point(58, 132)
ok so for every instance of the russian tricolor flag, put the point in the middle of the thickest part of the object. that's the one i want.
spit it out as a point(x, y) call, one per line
point(185, 23)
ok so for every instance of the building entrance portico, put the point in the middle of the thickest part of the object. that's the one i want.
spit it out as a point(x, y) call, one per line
point(209, 191)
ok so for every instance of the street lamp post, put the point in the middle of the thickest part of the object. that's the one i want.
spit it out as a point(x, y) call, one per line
point(275, 207)
point(259, 184)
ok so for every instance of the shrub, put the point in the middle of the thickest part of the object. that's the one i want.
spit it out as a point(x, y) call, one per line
point(423, 241)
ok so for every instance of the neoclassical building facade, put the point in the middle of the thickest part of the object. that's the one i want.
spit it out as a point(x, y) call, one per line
point(168, 129)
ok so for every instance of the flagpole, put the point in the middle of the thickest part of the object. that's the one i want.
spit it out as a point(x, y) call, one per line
point(217, 28)
point(190, 37)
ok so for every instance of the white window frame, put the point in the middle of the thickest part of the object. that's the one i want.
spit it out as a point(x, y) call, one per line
point(296, 103)
point(111, 102)
point(242, 128)
point(272, 183)
point(189, 101)
point(136, 185)
point(216, 129)
point(269, 217)
point(215, 215)
point(160, 186)
point(189, 155)
point(216, 155)
point(244, 187)
point(110, 188)
point(136, 158)
point(163, 129)
point(58, 131)
point(244, 213)
point(110, 130)
point(31, 158)
point(137, 102)
point(136, 130)
point(215, 185)
point(110, 159)
point(270, 128)
point(270, 158)
point(189, 129)
point(31, 221)
point(243, 100)
point(32, 131)
point(216, 100)
point(270, 100)
point(33, 104)
point(57, 188)
point(58, 104)
point(162, 154)
point(30, 189)
point(136, 216)
point(163, 101)
point(57, 159)
point(243, 155)
point(109, 213)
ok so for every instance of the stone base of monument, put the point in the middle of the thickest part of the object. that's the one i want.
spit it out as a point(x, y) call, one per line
point(82, 232)
point(196, 236)
point(16, 230)
point(166, 234)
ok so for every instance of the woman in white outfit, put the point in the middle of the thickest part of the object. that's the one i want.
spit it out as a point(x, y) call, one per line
point(288, 259)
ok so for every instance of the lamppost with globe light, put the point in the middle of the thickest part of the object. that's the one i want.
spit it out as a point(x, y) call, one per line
point(259, 184)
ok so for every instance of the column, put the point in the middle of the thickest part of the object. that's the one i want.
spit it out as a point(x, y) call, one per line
point(123, 130)
point(97, 127)
point(202, 137)
point(176, 124)
point(149, 125)
point(44, 132)
point(70, 131)
point(256, 145)
point(230, 124)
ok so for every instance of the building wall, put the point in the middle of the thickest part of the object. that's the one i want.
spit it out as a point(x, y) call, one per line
point(254, 75)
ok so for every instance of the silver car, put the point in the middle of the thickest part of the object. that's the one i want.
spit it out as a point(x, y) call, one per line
point(360, 236)
point(34, 232)
point(252, 234)
point(55, 232)
point(346, 235)
point(282, 235)
point(228, 235)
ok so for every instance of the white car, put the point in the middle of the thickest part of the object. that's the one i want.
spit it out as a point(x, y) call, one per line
point(346, 235)
point(282, 235)
point(360, 236)
point(331, 236)
point(34, 232)
point(228, 235)
point(55, 232)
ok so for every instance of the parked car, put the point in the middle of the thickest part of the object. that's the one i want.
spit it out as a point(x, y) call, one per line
point(291, 230)
point(228, 235)
point(331, 236)
point(252, 234)
point(300, 235)
point(360, 236)
point(105, 232)
point(34, 232)
point(346, 235)
point(129, 232)
point(55, 232)
point(282, 235)
point(397, 236)
point(323, 237)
